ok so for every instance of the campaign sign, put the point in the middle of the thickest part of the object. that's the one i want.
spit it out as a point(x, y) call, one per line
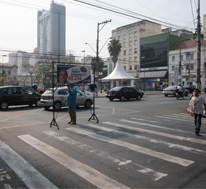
point(78, 74)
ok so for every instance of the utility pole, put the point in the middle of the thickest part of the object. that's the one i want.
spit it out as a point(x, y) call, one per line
point(97, 51)
point(180, 65)
point(198, 48)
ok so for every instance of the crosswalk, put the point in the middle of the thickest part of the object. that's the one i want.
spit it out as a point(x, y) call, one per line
point(146, 137)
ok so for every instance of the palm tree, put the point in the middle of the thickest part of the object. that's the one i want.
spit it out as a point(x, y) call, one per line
point(114, 48)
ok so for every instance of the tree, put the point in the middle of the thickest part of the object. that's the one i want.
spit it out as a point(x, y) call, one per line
point(114, 48)
point(98, 66)
point(29, 70)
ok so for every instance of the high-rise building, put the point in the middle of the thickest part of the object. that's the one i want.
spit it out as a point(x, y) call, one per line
point(51, 36)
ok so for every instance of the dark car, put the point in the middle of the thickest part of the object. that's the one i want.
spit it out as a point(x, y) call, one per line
point(123, 93)
point(18, 95)
point(139, 90)
point(190, 88)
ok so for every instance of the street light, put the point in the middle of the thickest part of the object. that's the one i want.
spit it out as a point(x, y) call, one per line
point(2, 68)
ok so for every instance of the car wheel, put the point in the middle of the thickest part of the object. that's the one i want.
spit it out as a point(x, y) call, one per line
point(111, 99)
point(87, 104)
point(138, 97)
point(46, 107)
point(4, 105)
point(166, 95)
point(57, 105)
point(122, 98)
point(37, 103)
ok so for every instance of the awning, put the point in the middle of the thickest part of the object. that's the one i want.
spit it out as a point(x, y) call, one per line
point(157, 74)
point(165, 82)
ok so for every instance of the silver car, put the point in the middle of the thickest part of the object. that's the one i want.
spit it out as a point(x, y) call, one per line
point(60, 95)
point(171, 91)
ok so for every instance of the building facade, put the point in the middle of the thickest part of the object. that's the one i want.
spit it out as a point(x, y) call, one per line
point(154, 61)
point(51, 34)
point(185, 54)
point(9, 72)
point(129, 36)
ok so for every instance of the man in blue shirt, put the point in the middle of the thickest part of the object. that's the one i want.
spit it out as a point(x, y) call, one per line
point(71, 103)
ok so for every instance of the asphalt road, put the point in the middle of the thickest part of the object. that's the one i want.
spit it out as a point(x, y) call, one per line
point(136, 144)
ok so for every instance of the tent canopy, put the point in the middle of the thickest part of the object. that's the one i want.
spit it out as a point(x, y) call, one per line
point(118, 73)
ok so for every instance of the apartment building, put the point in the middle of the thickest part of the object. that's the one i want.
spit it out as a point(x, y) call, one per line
point(187, 50)
point(51, 36)
point(129, 36)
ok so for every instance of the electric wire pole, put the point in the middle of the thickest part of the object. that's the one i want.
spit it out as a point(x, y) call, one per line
point(198, 48)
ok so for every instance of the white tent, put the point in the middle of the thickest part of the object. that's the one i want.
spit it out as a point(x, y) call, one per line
point(118, 74)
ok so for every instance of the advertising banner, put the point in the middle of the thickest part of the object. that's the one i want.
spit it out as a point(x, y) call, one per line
point(77, 74)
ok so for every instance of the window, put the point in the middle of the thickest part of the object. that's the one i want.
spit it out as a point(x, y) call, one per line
point(125, 68)
point(125, 36)
point(119, 37)
point(130, 59)
point(135, 67)
point(130, 43)
point(130, 35)
point(135, 42)
point(192, 56)
point(135, 34)
point(191, 66)
point(181, 57)
point(125, 44)
point(63, 92)
point(125, 52)
point(124, 60)
point(135, 51)
point(173, 68)
point(130, 67)
point(135, 59)
point(130, 51)
point(188, 56)
point(4, 91)
point(173, 58)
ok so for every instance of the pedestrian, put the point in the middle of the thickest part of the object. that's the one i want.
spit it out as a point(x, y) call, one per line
point(196, 108)
point(71, 103)
point(42, 88)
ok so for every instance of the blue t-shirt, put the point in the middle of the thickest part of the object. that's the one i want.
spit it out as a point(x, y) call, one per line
point(71, 99)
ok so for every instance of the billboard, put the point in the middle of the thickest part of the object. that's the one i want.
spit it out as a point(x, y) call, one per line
point(77, 74)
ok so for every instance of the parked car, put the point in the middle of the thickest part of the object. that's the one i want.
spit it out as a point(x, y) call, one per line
point(190, 88)
point(60, 94)
point(123, 93)
point(18, 95)
point(171, 91)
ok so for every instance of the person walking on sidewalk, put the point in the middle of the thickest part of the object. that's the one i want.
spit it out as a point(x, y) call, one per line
point(196, 107)
point(71, 103)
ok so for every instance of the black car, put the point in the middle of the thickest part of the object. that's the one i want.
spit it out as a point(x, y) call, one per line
point(123, 93)
point(17, 95)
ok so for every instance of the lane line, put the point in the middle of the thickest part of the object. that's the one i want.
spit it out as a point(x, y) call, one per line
point(91, 175)
point(27, 173)
point(155, 132)
point(136, 148)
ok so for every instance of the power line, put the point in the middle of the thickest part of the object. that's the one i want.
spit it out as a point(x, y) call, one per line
point(127, 13)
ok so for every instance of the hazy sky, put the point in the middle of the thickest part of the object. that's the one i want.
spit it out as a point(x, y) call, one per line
point(18, 20)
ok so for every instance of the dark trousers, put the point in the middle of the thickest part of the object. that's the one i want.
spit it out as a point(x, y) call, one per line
point(197, 121)
point(72, 114)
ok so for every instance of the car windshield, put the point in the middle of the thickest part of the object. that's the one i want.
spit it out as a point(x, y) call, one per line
point(171, 87)
point(116, 89)
point(49, 91)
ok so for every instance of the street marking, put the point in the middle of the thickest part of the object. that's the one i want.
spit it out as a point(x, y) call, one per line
point(28, 174)
point(170, 145)
point(147, 120)
point(136, 148)
point(155, 132)
point(151, 125)
point(91, 175)
point(123, 162)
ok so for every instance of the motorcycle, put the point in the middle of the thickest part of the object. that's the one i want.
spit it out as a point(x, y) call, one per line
point(179, 94)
